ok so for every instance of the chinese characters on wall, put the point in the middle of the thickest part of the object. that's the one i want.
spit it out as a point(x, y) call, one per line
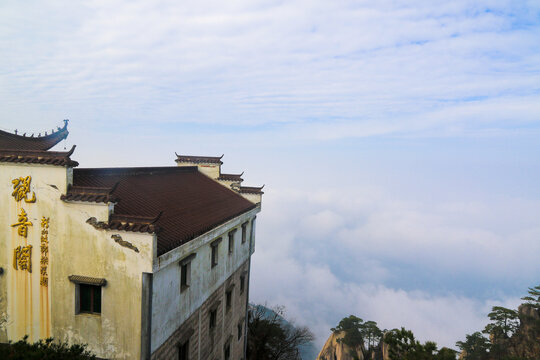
point(23, 224)
point(21, 189)
point(44, 277)
point(22, 258)
point(22, 255)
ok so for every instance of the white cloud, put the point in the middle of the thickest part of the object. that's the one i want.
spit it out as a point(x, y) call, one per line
point(355, 68)
point(282, 87)
point(349, 254)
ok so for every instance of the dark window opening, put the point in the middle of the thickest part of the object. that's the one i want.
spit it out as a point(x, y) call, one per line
point(185, 276)
point(231, 243)
point(227, 352)
point(239, 330)
point(214, 254)
point(183, 351)
point(89, 299)
point(244, 232)
point(242, 283)
point(228, 300)
point(213, 318)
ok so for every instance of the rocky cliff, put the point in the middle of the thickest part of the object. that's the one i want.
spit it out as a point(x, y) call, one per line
point(335, 349)
point(525, 343)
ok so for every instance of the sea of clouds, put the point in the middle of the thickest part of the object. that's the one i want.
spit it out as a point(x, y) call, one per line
point(398, 139)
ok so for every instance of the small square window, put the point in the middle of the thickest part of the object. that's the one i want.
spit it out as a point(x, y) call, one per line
point(89, 299)
point(183, 351)
point(228, 300)
point(213, 318)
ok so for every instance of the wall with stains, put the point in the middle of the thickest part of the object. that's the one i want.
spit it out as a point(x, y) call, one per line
point(206, 343)
point(75, 248)
point(27, 304)
point(171, 306)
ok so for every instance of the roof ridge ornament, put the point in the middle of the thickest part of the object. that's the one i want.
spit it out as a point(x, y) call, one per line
point(70, 152)
point(42, 141)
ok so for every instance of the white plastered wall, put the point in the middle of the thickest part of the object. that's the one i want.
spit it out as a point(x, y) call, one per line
point(170, 306)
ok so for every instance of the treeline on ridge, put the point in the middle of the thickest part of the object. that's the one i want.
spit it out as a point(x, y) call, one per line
point(512, 334)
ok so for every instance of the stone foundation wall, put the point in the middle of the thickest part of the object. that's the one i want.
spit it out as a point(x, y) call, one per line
point(210, 344)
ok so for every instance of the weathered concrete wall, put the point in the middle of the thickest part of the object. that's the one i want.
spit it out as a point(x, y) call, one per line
point(3, 307)
point(75, 248)
point(27, 305)
point(172, 307)
point(116, 332)
point(206, 344)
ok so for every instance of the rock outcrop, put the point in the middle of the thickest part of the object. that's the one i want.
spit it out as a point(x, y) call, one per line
point(335, 349)
point(525, 343)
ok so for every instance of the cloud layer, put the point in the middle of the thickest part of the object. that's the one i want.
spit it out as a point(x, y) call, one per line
point(434, 268)
point(325, 69)
point(399, 139)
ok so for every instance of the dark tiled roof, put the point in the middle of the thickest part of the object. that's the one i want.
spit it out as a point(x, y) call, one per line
point(80, 279)
point(91, 194)
point(39, 157)
point(10, 141)
point(199, 159)
point(251, 190)
point(142, 224)
point(179, 203)
point(231, 177)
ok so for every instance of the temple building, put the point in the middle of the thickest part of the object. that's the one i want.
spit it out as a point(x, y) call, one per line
point(138, 263)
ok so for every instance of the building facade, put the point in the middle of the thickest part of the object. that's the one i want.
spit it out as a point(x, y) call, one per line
point(138, 263)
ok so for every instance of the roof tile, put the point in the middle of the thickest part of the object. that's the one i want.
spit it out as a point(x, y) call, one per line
point(38, 157)
point(10, 141)
point(177, 203)
point(199, 159)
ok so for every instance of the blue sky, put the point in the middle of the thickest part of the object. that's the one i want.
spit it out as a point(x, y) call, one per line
point(398, 140)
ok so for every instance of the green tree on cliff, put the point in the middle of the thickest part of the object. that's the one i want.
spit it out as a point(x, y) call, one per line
point(505, 322)
point(475, 346)
point(371, 334)
point(400, 342)
point(533, 299)
point(403, 346)
point(446, 354)
point(351, 327)
point(358, 333)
